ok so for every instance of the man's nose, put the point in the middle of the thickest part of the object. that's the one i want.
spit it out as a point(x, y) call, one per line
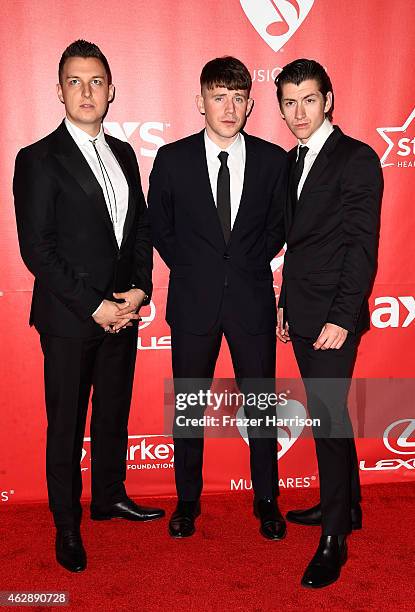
point(299, 111)
point(229, 106)
point(86, 91)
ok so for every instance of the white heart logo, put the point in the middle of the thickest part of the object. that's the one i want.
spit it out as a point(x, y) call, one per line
point(287, 436)
point(276, 20)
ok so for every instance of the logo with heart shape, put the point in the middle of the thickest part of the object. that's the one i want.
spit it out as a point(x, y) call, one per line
point(276, 20)
point(287, 436)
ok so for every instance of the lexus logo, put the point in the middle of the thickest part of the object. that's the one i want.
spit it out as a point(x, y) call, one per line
point(276, 20)
point(146, 320)
point(395, 437)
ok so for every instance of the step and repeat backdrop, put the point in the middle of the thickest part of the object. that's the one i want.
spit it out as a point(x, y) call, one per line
point(156, 51)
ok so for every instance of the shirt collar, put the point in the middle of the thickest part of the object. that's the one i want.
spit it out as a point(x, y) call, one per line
point(317, 140)
point(213, 150)
point(82, 138)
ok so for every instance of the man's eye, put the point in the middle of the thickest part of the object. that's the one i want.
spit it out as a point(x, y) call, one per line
point(97, 82)
point(74, 82)
point(310, 100)
point(239, 99)
point(218, 99)
point(288, 103)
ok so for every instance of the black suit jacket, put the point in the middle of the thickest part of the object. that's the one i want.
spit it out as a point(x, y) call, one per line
point(66, 236)
point(188, 235)
point(332, 241)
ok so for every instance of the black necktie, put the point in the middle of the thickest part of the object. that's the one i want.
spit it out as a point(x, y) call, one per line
point(223, 196)
point(296, 176)
point(108, 185)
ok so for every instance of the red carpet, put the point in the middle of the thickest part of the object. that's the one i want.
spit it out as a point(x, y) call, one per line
point(227, 565)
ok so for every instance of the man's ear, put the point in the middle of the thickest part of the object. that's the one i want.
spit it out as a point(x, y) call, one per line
point(200, 103)
point(111, 93)
point(250, 106)
point(329, 101)
point(59, 92)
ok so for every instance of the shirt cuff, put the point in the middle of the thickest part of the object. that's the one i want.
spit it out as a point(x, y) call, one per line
point(95, 311)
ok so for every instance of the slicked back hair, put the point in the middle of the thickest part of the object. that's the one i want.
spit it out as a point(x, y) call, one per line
point(83, 48)
point(303, 70)
point(226, 72)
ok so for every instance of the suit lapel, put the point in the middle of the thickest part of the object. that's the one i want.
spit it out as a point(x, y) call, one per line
point(209, 212)
point(320, 163)
point(125, 166)
point(71, 158)
point(250, 176)
point(289, 203)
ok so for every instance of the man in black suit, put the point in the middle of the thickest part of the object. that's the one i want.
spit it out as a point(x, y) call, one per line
point(216, 209)
point(332, 224)
point(84, 235)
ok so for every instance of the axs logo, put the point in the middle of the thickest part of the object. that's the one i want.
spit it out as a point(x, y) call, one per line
point(392, 311)
point(149, 132)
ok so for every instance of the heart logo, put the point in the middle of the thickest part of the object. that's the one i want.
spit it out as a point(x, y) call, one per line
point(276, 20)
point(287, 436)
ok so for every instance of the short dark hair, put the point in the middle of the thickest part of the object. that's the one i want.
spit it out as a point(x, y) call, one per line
point(303, 70)
point(226, 72)
point(83, 48)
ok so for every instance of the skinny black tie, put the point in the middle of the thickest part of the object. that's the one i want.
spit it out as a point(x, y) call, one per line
point(108, 185)
point(297, 173)
point(223, 196)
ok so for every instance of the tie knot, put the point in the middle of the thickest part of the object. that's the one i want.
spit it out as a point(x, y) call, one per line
point(223, 157)
point(302, 152)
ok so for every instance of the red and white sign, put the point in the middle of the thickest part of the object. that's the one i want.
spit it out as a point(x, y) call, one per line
point(156, 51)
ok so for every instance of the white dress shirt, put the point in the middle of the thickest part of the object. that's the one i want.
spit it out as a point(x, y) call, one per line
point(117, 210)
point(314, 144)
point(236, 165)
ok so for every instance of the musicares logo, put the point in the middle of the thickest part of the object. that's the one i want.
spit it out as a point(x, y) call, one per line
point(287, 437)
point(400, 148)
point(276, 20)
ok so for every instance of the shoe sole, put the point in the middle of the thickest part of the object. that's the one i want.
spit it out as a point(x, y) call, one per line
point(105, 517)
point(355, 526)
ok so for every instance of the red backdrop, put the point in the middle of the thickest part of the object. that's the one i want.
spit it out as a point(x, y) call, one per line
point(156, 51)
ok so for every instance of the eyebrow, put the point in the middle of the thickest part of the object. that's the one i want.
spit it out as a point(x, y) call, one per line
point(75, 76)
point(314, 93)
point(224, 93)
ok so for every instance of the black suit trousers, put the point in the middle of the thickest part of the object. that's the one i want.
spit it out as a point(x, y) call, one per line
point(326, 376)
point(72, 366)
point(194, 357)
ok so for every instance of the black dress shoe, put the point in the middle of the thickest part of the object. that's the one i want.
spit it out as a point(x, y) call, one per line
point(312, 516)
point(127, 509)
point(324, 568)
point(70, 552)
point(182, 521)
point(273, 526)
